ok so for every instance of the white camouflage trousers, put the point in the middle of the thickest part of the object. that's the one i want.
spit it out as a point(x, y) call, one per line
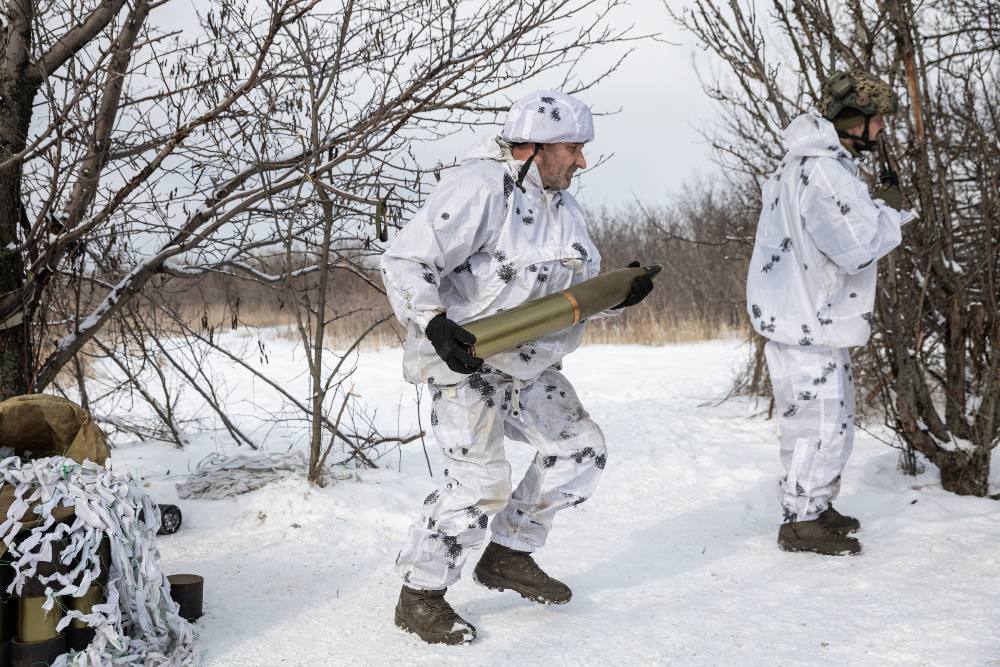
point(469, 420)
point(814, 395)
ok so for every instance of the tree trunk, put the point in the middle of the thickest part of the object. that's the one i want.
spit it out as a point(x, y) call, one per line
point(16, 96)
point(319, 338)
point(15, 351)
point(967, 474)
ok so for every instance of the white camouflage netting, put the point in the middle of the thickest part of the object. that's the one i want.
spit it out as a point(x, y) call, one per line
point(105, 503)
point(218, 476)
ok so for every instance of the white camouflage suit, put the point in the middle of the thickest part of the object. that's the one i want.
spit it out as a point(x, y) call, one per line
point(478, 246)
point(811, 291)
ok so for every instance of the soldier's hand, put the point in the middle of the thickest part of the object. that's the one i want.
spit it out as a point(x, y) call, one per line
point(641, 287)
point(888, 177)
point(891, 195)
point(452, 344)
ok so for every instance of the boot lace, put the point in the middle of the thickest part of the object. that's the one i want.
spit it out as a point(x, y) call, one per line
point(528, 565)
point(440, 609)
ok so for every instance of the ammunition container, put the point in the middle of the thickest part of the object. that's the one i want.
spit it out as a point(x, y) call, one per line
point(34, 624)
point(85, 603)
point(8, 603)
point(79, 634)
point(79, 639)
point(552, 313)
point(187, 590)
point(170, 519)
point(32, 654)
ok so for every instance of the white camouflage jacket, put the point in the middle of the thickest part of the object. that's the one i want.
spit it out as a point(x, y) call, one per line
point(479, 246)
point(813, 270)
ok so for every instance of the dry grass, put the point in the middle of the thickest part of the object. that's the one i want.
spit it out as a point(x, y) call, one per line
point(653, 327)
point(639, 327)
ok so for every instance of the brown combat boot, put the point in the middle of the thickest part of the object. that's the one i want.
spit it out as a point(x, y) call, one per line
point(840, 523)
point(501, 568)
point(817, 537)
point(427, 614)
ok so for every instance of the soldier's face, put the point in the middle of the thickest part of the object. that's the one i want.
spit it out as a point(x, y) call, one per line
point(875, 127)
point(557, 164)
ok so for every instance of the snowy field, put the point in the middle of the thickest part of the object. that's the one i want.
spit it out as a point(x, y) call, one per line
point(673, 561)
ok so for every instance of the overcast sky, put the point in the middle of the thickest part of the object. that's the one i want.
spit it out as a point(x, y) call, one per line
point(655, 140)
point(657, 148)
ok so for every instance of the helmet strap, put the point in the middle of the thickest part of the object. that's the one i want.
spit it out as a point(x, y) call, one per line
point(859, 144)
point(867, 144)
point(526, 166)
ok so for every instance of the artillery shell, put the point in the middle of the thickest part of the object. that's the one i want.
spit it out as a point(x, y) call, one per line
point(34, 624)
point(552, 313)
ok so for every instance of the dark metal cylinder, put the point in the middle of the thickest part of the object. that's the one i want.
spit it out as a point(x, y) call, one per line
point(79, 639)
point(33, 587)
point(33, 654)
point(187, 590)
point(79, 634)
point(8, 601)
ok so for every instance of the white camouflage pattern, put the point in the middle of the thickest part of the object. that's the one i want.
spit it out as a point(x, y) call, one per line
point(811, 291)
point(814, 401)
point(138, 624)
point(548, 117)
point(813, 270)
point(470, 421)
point(480, 245)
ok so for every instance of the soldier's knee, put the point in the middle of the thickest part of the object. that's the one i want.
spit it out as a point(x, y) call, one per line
point(488, 486)
point(495, 495)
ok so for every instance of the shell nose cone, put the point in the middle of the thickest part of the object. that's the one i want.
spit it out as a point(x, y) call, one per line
point(652, 269)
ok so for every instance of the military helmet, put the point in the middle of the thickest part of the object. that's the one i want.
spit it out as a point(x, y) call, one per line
point(856, 90)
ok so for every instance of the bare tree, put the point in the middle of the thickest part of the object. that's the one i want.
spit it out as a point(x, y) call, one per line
point(938, 328)
point(700, 241)
point(135, 162)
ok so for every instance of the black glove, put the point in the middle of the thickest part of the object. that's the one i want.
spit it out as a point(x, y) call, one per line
point(888, 177)
point(641, 287)
point(452, 342)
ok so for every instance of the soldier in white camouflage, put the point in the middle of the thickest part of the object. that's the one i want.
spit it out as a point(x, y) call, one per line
point(499, 230)
point(811, 292)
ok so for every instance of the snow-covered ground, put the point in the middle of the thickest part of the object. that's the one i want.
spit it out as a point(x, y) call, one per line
point(673, 561)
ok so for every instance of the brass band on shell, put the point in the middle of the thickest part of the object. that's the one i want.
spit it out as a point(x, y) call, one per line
point(576, 306)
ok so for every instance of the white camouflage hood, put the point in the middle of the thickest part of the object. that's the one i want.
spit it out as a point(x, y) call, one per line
point(496, 149)
point(490, 147)
point(812, 276)
point(811, 135)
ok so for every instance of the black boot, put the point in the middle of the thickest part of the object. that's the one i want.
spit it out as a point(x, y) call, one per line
point(840, 523)
point(427, 614)
point(501, 568)
point(817, 537)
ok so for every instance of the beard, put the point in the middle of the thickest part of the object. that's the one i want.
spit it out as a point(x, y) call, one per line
point(556, 180)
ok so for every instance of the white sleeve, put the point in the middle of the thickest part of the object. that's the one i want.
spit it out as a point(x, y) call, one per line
point(443, 234)
point(604, 313)
point(844, 222)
